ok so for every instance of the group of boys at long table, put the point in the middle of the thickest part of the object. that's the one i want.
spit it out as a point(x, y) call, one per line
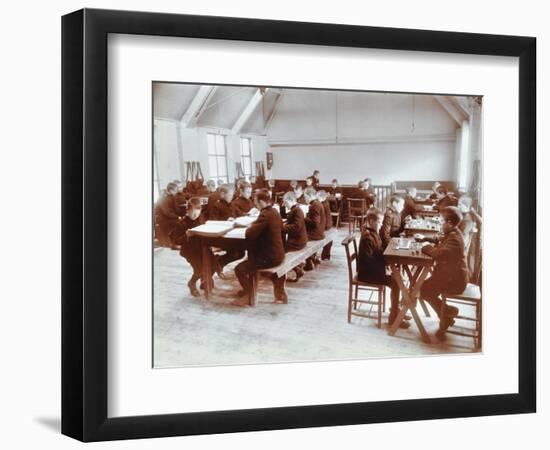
point(281, 227)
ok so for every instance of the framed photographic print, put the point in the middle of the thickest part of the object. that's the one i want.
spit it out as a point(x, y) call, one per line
point(261, 216)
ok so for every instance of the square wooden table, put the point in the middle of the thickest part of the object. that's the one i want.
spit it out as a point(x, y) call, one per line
point(417, 266)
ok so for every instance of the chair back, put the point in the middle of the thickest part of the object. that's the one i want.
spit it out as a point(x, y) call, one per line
point(357, 206)
point(350, 246)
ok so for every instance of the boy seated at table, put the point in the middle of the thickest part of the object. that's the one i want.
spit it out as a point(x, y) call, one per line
point(367, 192)
point(371, 267)
point(315, 224)
point(444, 199)
point(450, 272)
point(295, 229)
point(391, 225)
point(335, 195)
point(266, 249)
point(243, 204)
point(224, 210)
point(300, 198)
point(322, 196)
point(190, 246)
point(213, 197)
point(409, 205)
point(434, 195)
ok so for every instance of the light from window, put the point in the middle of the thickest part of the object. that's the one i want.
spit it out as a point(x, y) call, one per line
point(246, 157)
point(217, 157)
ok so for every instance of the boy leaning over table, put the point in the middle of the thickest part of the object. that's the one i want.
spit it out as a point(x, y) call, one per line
point(190, 246)
point(450, 273)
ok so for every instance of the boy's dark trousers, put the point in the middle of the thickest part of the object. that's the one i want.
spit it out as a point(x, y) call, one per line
point(325, 254)
point(246, 269)
point(433, 288)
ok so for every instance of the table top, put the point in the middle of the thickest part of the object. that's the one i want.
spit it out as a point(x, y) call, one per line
point(423, 225)
point(411, 256)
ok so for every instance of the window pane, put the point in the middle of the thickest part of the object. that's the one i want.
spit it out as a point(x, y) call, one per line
point(211, 144)
point(245, 147)
point(247, 166)
point(220, 144)
point(212, 167)
point(222, 167)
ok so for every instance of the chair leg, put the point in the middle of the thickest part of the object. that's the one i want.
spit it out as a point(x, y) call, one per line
point(479, 323)
point(349, 302)
point(380, 300)
point(442, 311)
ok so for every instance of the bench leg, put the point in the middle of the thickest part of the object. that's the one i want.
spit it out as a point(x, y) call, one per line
point(252, 292)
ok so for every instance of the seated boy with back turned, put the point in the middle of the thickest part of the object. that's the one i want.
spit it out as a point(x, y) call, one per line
point(295, 229)
point(266, 249)
point(315, 224)
point(370, 262)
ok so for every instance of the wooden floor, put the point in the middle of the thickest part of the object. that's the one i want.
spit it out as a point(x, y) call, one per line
point(311, 327)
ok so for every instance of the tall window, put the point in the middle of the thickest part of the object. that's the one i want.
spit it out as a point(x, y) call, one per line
point(246, 156)
point(217, 157)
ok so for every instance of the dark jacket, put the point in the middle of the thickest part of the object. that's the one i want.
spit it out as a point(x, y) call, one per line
point(266, 239)
point(334, 190)
point(391, 226)
point(368, 195)
point(315, 182)
point(450, 270)
point(241, 206)
point(213, 197)
point(409, 208)
point(370, 259)
point(328, 217)
point(166, 210)
point(315, 221)
point(295, 229)
point(190, 246)
point(448, 200)
point(222, 211)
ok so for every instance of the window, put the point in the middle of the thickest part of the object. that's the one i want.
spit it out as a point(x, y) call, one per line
point(217, 157)
point(246, 157)
point(464, 160)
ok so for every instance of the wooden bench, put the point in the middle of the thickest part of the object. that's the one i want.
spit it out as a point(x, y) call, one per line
point(292, 259)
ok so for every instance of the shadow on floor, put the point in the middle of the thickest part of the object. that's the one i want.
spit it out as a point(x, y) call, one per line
point(53, 423)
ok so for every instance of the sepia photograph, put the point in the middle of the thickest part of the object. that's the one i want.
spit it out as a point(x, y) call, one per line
point(301, 225)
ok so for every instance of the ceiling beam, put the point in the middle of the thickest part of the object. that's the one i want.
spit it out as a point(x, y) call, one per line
point(247, 111)
point(197, 106)
point(456, 112)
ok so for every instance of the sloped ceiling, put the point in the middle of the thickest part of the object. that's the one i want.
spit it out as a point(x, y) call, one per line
point(326, 114)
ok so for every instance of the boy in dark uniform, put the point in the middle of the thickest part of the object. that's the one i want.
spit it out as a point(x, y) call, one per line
point(368, 192)
point(391, 225)
point(266, 250)
point(299, 192)
point(445, 199)
point(295, 229)
point(213, 197)
point(166, 215)
point(222, 209)
point(315, 224)
point(322, 196)
point(243, 203)
point(316, 179)
point(450, 273)
point(409, 207)
point(371, 267)
point(190, 246)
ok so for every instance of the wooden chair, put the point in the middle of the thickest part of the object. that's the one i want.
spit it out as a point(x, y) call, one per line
point(470, 297)
point(355, 286)
point(337, 214)
point(357, 212)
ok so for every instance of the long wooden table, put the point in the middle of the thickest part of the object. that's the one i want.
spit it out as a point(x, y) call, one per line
point(417, 266)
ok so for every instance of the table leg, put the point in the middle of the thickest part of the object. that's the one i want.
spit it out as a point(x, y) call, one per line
point(206, 268)
point(409, 302)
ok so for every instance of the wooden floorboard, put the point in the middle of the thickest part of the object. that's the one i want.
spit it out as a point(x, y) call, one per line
point(311, 327)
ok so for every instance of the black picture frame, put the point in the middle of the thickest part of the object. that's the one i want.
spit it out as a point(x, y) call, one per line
point(84, 224)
